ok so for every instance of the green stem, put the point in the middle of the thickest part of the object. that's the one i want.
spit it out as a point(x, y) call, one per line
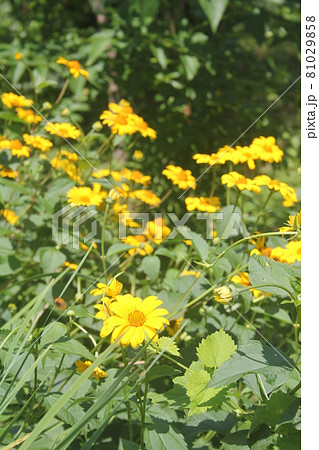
point(102, 240)
point(128, 406)
point(64, 87)
point(143, 411)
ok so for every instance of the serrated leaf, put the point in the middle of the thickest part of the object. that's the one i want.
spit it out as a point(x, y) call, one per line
point(163, 436)
point(72, 347)
point(169, 345)
point(117, 248)
point(272, 274)
point(198, 393)
point(252, 358)
point(216, 349)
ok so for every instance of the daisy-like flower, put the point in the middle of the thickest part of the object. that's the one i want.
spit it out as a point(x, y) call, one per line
point(289, 194)
point(205, 204)
point(16, 147)
point(9, 215)
point(261, 248)
point(140, 125)
point(74, 67)
point(18, 56)
point(97, 372)
point(182, 178)
point(173, 326)
point(136, 176)
point(222, 295)
point(101, 173)
point(28, 115)
point(140, 245)
point(266, 149)
point(240, 181)
point(111, 290)
point(293, 223)
point(156, 230)
point(63, 129)
point(8, 173)
point(72, 266)
point(146, 196)
point(119, 123)
point(85, 196)
point(69, 167)
point(38, 142)
point(123, 108)
point(243, 279)
point(71, 156)
point(12, 100)
point(290, 254)
point(133, 319)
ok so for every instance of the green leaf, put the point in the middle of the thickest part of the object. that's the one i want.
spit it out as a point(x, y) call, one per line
point(172, 347)
point(270, 414)
point(253, 358)
point(14, 185)
point(151, 266)
point(163, 436)
point(191, 65)
point(198, 393)
point(98, 43)
point(216, 349)
point(10, 116)
point(128, 445)
point(72, 347)
point(214, 10)
point(117, 248)
point(52, 332)
point(8, 265)
point(50, 259)
point(263, 270)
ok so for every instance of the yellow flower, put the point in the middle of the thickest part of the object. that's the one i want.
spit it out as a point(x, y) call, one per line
point(38, 142)
point(16, 147)
point(97, 372)
point(182, 178)
point(174, 326)
point(138, 155)
point(101, 173)
point(289, 194)
point(260, 249)
point(85, 247)
point(74, 67)
point(111, 290)
point(9, 173)
point(85, 196)
point(136, 176)
point(139, 124)
point(9, 215)
point(266, 149)
point(72, 266)
point(133, 319)
point(18, 56)
point(289, 254)
point(140, 245)
point(28, 115)
point(243, 279)
point(187, 273)
point(156, 230)
point(293, 223)
point(147, 197)
point(205, 204)
point(222, 295)
point(123, 108)
point(69, 167)
point(71, 156)
point(188, 242)
point(12, 100)
point(63, 129)
point(240, 181)
point(118, 122)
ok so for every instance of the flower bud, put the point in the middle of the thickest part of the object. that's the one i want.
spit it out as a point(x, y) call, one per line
point(114, 194)
point(47, 105)
point(222, 295)
point(97, 126)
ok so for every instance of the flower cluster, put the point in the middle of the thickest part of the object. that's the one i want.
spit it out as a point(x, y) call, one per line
point(122, 120)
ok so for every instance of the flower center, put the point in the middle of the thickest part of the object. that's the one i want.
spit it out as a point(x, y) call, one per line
point(136, 319)
point(16, 144)
point(85, 199)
